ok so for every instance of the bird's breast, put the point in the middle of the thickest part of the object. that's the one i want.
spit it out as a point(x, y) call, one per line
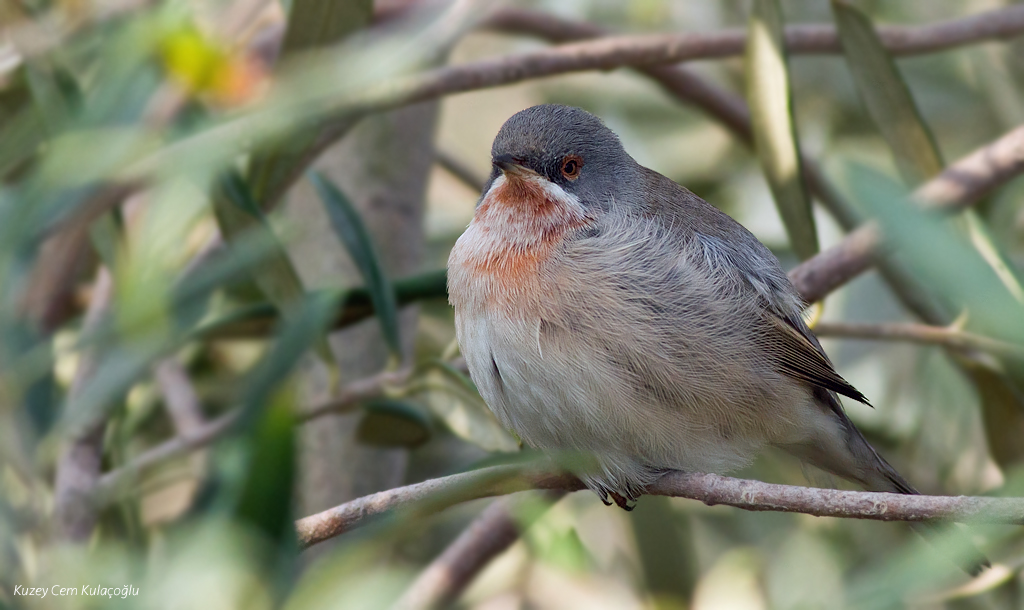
point(498, 263)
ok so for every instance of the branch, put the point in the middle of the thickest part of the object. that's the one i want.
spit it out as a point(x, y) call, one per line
point(111, 482)
point(961, 184)
point(919, 333)
point(656, 49)
point(973, 177)
point(488, 536)
point(826, 271)
point(80, 463)
point(603, 54)
point(435, 495)
point(682, 83)
point(349, 397)
point(180, 398)
point(465, 174)
point(810, 38)
point(429, 497)
point(258, 320)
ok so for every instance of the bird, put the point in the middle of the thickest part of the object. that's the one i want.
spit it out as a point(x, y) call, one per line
point(603, 308)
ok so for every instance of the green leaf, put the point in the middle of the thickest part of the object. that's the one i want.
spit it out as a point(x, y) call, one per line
point(55, 92)
point(562, 549)
point(453, 398)
point(231, 484)
point(940, 255)
point(318, 23)
point(238, 213)
point(300, 332)
point(771, 114)
point(892, 108)
point(254, 318)
point(665, 545)
point(311, 24)
point(105, 235)
point(886, 96)
point(392, 423)
point(969, 280)
point(266, 497)
point(349, 227)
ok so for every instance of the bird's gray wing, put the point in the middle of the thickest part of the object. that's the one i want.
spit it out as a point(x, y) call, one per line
point(734, 255)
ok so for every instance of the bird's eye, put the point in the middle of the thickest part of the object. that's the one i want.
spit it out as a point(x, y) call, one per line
point(571, 167)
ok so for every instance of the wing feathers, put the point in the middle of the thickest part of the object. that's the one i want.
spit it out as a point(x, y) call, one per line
point(800, 358)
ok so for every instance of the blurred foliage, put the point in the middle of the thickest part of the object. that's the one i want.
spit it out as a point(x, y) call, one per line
point(133, 134)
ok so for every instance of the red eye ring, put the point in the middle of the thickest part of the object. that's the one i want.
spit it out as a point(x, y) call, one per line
point(571, 166)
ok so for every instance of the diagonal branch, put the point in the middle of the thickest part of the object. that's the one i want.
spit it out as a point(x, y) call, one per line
point(961, 184)
point(488, 536)
point(206, 433)
point(79, 465)
point(682, 83)
point(435, 495)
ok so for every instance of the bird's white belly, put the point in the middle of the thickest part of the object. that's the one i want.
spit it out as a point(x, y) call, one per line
point(557, 398)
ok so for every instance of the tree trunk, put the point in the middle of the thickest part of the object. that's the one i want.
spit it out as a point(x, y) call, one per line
point(382, 166)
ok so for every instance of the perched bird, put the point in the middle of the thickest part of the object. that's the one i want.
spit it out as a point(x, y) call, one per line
point(603, 308)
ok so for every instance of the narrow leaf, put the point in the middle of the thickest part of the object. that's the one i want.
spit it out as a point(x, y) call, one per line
point(299, 333)
point(392, 423)
point(349, 227)
point(771, 114)
point(317, 23)
point(886, 96)
point(942, 256)
point(892, 108)
point(238, 213)
point(266, 496)
point(105, 235)
point(311, 24)
point(983, 282)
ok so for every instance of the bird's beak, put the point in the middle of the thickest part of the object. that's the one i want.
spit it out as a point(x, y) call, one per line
point(508, 165)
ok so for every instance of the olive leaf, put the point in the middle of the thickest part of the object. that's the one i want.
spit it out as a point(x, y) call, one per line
point(349, 227)
point(771, 114)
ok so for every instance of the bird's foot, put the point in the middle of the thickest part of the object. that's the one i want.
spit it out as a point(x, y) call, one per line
point(626, 504)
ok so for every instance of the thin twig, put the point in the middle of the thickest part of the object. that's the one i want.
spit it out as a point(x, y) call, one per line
point(183, 444)
point(437, 494)
point(601, 54)
point(180, 398)
point(919, 333)
point(488, 536)
point(78, 468)
point(111, 482)
point(460, 170)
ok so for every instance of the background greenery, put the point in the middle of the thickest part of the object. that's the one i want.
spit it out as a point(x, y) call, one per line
point(133, 134)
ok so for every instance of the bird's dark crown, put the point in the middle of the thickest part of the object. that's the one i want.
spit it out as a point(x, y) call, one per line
point(543, 138)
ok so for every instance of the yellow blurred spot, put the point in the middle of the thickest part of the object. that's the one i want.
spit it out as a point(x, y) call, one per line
point(205, 68)
point(192, 59)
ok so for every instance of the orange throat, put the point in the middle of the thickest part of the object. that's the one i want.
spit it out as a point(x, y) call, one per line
point(518, 227)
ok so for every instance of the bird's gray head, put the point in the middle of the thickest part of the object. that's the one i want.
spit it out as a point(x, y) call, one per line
point(567, 146)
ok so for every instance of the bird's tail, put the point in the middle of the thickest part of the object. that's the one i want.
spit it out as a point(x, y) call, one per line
point(875, 474)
